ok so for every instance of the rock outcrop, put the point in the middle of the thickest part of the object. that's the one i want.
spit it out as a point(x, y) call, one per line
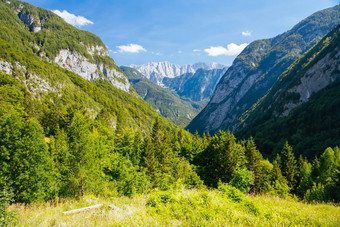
point(90, 70)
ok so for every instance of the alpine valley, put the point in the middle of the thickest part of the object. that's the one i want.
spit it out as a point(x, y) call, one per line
point(84, 142)
point(178, 97)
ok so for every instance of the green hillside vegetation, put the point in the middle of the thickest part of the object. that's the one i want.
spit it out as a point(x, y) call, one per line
point(311, 126)
point(168, 104)
point(61, 135)
point(64, 138)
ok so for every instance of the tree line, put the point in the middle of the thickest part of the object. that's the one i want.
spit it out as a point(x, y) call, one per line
point(50, 150)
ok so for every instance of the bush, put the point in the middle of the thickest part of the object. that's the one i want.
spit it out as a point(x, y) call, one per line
point(242, 179)
point(7, 218)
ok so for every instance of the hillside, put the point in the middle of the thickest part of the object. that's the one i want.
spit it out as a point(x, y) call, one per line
point(64, 135)
point(165, 102)
point(257, 68)
point(303, 105)
point(34, 58)
point(48, 36)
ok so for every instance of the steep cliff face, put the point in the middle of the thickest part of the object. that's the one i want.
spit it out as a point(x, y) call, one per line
point(78, 64)
point(303, 105)
point(317, 77)
point(52, 39)
point(195, 86)
point(257, 68)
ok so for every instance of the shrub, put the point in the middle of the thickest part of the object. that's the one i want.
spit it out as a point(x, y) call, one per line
point(242, 179)
point(7, 218)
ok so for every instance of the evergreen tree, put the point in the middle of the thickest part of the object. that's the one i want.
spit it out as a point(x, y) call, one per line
point(220, 159)
point(149, 160)
point(288, 165)
point(327, 166)
point(254, 158)
point(305, 181)
point(279, 184)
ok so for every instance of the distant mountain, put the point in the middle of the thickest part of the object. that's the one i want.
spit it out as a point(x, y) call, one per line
point(257, 68)
point(156, 71)
point(195, 86)
point(303, 105)
point(167, 103)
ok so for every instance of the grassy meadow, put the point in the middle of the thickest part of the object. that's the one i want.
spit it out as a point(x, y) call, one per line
point(181, 208)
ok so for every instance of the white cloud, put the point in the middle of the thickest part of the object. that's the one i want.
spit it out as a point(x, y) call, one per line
point(180, 52)
point(246, 33)
point(72, 19)
point(131, 48)
point(196, 50)
point(231, 50)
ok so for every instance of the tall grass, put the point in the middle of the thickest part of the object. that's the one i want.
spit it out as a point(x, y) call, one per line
point(182, 208)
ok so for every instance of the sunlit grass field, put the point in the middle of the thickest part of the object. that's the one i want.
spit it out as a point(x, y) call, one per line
point(181, 208)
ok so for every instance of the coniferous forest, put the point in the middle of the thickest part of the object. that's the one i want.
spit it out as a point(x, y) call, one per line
point(66, 140)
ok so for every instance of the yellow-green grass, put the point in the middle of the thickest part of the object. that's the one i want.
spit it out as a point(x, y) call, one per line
point(181, 208)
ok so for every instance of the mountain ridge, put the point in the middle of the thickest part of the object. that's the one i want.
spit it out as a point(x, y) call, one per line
point(256, 69)
point(303, 103)
point(156, 71)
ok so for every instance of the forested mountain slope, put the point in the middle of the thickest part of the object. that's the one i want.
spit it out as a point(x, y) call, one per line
point(64, 134)
point(44, 34)
point(303, 105)
point(257, 68)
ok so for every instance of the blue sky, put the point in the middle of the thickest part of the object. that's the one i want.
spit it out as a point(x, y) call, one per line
point(182, 31)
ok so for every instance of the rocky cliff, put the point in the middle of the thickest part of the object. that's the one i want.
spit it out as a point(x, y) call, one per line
point(195, 86)
point(257, 68)
point(303, 106)
point(54, 40)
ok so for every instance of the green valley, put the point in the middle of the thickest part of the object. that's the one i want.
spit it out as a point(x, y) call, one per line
point(78, 131)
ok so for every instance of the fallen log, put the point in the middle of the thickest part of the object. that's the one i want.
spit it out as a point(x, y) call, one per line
point(83, 209)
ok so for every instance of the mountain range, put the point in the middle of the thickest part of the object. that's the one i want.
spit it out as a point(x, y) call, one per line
point(156, 71)
point(257, 68)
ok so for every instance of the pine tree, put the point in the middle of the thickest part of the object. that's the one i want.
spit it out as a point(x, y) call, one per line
point(220, 159)
point(279, 183)
point(327, 166)
point(254, 158)
point(288, 165)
